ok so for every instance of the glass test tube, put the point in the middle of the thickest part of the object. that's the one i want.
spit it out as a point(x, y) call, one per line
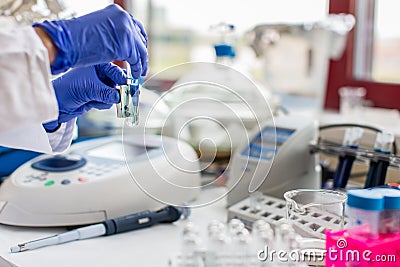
point(342, 174)
point(378, 167)
point(128, 107)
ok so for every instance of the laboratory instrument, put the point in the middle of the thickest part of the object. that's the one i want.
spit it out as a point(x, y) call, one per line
point(128, 107)
point(379, 156)
point(219, 102)
point(131, 222)
point(6, 263)
point(275, 160)
point(98, 180)
point(301, 51)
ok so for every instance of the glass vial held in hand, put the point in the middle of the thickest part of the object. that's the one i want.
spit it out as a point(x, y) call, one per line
point(128, 107)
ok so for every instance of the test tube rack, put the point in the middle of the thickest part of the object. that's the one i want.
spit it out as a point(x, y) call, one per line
point(273, 210)
point(361, 154)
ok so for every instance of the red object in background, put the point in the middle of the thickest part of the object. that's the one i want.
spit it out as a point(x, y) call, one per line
point(122, 4)
point(382, 95)
point(119, 63)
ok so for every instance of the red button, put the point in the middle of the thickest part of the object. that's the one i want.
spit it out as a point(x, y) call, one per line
point(82, 179)
point(394, 185)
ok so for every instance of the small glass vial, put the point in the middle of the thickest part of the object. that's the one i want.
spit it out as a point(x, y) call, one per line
point(128, 107)
point(256, 199)
point(352, 137)
point(217, 245)
point(383, 142)
point(190, 245)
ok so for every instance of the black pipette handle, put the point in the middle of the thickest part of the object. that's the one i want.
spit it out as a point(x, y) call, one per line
point(141, 220)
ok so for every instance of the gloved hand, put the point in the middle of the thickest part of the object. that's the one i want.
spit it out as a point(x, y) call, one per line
point(99, 37)
point(81, 89)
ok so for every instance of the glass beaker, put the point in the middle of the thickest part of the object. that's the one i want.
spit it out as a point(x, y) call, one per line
point(351, 100)
point(313, 211)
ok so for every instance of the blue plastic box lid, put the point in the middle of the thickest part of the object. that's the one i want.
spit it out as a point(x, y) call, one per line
point(374, 199)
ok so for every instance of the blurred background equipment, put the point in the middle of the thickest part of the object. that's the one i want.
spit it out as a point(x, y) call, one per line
point(25, 12)
point(215, 105)
point(296, 55)
point(357, 155)
point(276, 159)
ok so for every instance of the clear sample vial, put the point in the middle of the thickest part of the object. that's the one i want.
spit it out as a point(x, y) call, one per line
point(128, 107)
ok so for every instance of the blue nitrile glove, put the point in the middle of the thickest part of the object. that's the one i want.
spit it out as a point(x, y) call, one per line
point(99, 37)
point(81, 89)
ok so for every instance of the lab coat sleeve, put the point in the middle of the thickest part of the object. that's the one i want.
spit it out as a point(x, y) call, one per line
point(27, 98)
point(60, 140)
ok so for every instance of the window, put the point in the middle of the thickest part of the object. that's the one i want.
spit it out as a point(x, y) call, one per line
point(372, 57)
point(386, 39)
point(377, 53)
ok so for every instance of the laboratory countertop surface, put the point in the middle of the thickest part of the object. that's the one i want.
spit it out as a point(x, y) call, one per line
point(153, 246)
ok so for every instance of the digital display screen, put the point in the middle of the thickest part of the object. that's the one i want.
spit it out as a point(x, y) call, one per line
point(115, 151)
point(267, 142)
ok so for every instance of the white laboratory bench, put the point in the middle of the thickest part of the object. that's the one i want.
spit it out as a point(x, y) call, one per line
point(153, 246)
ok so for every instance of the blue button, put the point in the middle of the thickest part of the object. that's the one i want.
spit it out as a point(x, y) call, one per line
point(65, 182)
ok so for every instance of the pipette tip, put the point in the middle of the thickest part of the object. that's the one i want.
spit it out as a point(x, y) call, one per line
point(15, 249)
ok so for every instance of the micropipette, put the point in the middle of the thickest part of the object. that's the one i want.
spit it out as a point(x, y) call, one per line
point(131, 222)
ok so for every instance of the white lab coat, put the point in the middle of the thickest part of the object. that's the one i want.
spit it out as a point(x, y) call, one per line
point(27, 97)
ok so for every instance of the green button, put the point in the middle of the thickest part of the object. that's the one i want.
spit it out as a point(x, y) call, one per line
point(51, 182)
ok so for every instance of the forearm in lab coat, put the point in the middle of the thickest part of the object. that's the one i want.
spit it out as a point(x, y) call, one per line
point(26, 93)
point(27, 98)
point(60, 140)
point(33, 137)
